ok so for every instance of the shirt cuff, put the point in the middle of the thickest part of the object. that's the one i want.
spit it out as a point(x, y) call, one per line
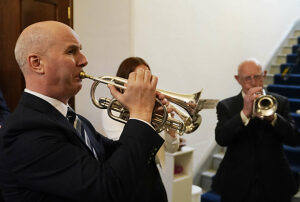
point(274, 120)
point(171, 143)
point(170, 139)
point(245, 119)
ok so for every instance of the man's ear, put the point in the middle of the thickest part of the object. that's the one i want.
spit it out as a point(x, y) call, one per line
point(237, 78)
point(35, 63)
point(265, 73)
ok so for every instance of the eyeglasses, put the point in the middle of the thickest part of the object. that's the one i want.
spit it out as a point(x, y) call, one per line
point(248, 79)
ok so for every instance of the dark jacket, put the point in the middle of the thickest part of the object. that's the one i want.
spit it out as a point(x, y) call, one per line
point(4, 110)
point(254, 152)
point(42, 159)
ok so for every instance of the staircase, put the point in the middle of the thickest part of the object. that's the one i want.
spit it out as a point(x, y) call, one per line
point(206, 178)
point(284, 79)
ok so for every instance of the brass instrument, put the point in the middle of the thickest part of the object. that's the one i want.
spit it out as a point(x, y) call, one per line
point(191, 103)
point(264, 105)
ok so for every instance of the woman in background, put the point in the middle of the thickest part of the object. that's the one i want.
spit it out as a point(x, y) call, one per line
point(112, 129)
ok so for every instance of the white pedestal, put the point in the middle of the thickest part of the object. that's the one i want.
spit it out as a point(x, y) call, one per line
point(196, 193)
point(178, 186)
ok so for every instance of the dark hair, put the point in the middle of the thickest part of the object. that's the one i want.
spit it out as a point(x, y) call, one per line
point(128, 65)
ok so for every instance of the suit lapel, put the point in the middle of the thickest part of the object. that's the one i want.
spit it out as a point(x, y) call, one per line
point(237, 104)
point(54, 116)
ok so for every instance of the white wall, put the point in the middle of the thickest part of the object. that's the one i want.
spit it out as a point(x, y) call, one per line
point(105, 32)
point(189, 44)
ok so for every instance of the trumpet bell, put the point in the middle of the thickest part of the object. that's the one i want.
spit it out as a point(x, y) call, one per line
point(265, 105)
point(191, 126)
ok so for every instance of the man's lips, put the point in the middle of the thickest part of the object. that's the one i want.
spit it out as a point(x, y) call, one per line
point(78, 78)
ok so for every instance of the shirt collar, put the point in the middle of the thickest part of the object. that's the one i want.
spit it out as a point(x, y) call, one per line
point(243, 94)
point(60, 106)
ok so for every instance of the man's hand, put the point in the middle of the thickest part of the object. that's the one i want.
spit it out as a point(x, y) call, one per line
point(139, 96)
point(249, 98)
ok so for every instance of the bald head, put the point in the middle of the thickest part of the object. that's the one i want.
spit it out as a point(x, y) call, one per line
point(49, 55)
point(35, 39)
point(249, 63)
point(250, 74)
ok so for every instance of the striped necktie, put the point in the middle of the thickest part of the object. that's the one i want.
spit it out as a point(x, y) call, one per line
point(75, 121)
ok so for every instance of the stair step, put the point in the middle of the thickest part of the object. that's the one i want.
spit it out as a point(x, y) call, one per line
point(292, 154)
point(217, 159)
point(288, 79)
point(209, 173)
point(294, 104)
point(269, 79)
point(296, 118)
point(296, 33)
point(206, 179)
point(281, 59)
point(292, 41)
point(287, 50)
point(291, 58)
point(210, 197)
point(290, 91)
point(296, 198)
point(293, 68)
point(274, 69)
point(295, 48)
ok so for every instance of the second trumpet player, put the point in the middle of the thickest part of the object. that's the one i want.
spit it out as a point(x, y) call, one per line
point(253, 126)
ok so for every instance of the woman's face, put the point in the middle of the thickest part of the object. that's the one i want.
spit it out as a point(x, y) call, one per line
point(144, 67)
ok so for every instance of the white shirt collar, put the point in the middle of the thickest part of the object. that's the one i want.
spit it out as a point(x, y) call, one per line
point(243, 94)
point(60, 106)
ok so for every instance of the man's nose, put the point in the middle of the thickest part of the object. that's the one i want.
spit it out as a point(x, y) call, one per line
point(82, 61)
point(253, 81)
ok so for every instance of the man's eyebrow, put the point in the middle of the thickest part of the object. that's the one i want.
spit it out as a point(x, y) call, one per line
point(74, 47)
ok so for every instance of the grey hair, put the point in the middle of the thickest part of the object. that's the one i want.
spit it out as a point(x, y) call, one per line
point(256, 61)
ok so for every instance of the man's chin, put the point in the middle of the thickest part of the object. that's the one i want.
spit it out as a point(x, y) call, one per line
point(78, 89)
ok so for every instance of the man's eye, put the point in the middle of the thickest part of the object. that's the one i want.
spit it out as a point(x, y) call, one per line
point(71, 51)
point(257, 76)
point(247, 78)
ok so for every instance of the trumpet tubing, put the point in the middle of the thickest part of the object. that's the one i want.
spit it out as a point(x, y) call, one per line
point(192, 104)
point(181, 100)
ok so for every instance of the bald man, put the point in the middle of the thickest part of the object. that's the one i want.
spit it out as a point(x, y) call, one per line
point(43, 157)
point(254, 168)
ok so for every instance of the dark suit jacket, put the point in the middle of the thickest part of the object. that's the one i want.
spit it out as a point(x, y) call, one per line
point(42, 159)
point(254, 152)
point(4, 110)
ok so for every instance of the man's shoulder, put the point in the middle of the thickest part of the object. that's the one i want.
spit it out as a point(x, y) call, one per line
point(33, 113)
point(277, 96)
point(231, 100)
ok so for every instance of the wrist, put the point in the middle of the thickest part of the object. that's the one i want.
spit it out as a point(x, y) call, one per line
point(247, 113)
point(171, 132)
point(142, 116)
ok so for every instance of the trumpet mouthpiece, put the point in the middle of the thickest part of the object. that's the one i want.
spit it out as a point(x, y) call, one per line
point(82, 75)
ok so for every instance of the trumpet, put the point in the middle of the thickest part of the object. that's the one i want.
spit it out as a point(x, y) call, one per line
point(191, 103)
point(264, 105)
